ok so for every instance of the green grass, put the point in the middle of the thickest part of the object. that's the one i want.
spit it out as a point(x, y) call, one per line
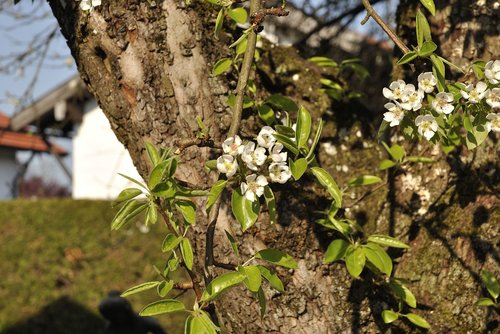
point(58, 260)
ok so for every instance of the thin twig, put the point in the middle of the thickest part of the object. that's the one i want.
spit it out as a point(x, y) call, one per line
point(368, 193)
point(392, 35)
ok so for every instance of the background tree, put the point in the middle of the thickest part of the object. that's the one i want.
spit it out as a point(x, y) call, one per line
point(148, 64)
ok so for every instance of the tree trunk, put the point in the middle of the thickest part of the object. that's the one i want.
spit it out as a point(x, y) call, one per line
point(148, 64)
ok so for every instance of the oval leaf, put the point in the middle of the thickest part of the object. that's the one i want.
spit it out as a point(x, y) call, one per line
point(127, 212)
point(427, 49)
point(484, 302)
point(153, 154)
point(187, 253)
point(386, 164)
point(282, 102)
point(407, 57)
point(386, 240)
point(239, 15)
point(298, 167)
point(221, 66)
point(389, 316)
point(245, 211)
point(162, 306)
point(335, 251)
point(277, 257)
point(272, 278)
point(222, 283)
point(429, 4)
point(355, 261)
point(164, 288)
point(378, 257)
point(140, 288)
point(417, 320)
point(325, 179)
point(363, 180)
point(170, 242)
point(287, 142)
point(188, 210)
point(271, 204)
point(125, 195)
point(303, 127)
point(491, 283)
point(253, 279)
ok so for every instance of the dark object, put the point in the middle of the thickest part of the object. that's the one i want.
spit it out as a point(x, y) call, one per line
point(122, 318)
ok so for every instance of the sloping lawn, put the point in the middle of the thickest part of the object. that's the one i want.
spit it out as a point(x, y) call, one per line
point(59, 259)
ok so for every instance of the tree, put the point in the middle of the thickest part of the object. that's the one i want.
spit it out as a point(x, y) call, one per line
point(148, 64)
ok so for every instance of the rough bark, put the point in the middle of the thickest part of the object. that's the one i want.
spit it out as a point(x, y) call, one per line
point(148, 64)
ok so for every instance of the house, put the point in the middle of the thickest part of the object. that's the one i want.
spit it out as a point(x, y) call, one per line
point(69, 111)
point(12, 142)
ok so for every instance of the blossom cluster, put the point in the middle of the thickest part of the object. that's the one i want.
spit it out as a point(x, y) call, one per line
point(406, 100)
point(260, 160)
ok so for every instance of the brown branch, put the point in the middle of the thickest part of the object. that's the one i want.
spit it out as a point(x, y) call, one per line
point(391, 34)
point(258, 17)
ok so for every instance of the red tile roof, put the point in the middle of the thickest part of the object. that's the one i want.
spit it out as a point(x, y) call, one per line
point(24, 141)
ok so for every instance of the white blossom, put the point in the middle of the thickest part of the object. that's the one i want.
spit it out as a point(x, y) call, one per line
point(427, 125)
point(227, 164)
point(395, 90)
point(426, 82)
point(494, 122)
point(265, 137)
point(442, 103)
point(253, 157)
point(276, 154)
point(395, 114)
point(279, 172)
point(474, 94)
point(412, 98)
point(493, 98)
point(254, 187)
point(232, 145)
point(492, 71)
point(89, 4)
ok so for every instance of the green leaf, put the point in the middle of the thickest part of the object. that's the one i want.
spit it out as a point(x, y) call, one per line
point(484, 302)
point(219, 22)
point(386, 240)
point(241, 38)
point(403, 293)
point(164, 288)
point(266, 113)
point(363, 180)
point(277, 257)
point(163, 170)
point(127, 212)
point(335, 251)
point(253, 279)
point(187, 252)
point(239, 15)
point(242, 46)
point(211, 164)
point(233, 243)
point(491, 283)
point(378, 257)
point(245, 211)
point(389, 316)
point(162, 306)
point(133, 180)
point(323, 61)
point(397, 152)
point(429, 4)
point(140, 288)
point(285, 130)
point(170, 242)
point(386, 164)
point(298, 167)
point(282, 102)
point(262, 302)
point(315, 140)
point(125, 195)
point(439, 72)
point(423, 29)
point(153, 154)
point(325, 179)
point(221, 283)
point(417, 320)
point(272, 278)
point(424, 160)
point(271, 204)
point(221, 66)
point(152, 214)
point(355, 261)
point(188, 210)
point(407, 57)
point(215, 192)
point(303, 127)
point(427, 49)
point(287, 142)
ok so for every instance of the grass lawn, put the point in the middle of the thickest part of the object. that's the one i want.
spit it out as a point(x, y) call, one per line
point(59, 258)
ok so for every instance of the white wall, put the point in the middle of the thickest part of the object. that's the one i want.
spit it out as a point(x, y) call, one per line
point(8, 170)
point(98, 157)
